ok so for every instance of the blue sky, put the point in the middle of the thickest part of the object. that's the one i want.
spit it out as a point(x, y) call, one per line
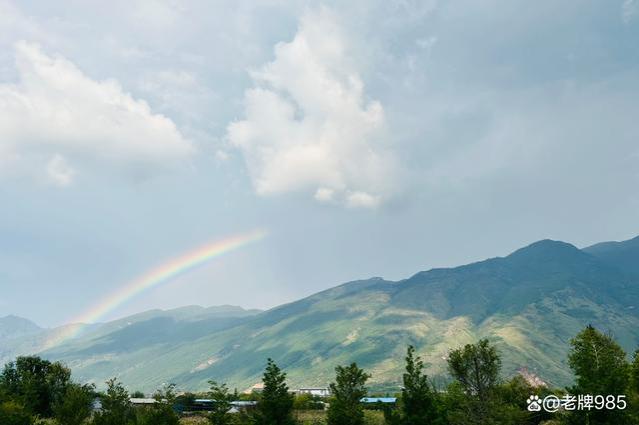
point(369, 139)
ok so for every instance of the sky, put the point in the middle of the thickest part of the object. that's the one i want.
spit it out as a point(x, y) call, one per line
point(366, 138)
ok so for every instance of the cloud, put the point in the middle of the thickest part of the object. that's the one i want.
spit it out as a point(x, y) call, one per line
point(310, 127)
point(629, 10)
point(55, 111)
point(362, 199)
point(59, 171)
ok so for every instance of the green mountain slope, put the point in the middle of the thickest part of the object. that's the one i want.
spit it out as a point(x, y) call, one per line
point(127, 334)
point(622, 255)
point(530, 303)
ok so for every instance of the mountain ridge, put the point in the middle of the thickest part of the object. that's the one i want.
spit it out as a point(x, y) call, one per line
point(623, 255)
point(530, 303)
point(12, 326)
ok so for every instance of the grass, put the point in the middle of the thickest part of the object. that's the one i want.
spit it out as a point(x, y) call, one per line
point(303, 417)
point(194, 420)
point(318, 417)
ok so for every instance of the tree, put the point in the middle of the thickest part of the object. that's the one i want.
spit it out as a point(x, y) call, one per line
point(600, 368)
point(116, 406)
point(512, 405)
point(599, 363)
point(185, 401)
point(347, 391)
point(476, 368)
point(221, 397)
point(12, 413)
point(74, 408)
point(35, 383)
point(161, 412)
point(307, 402)
point(634, 388)
point(634, 372)
point(276, 404)
point(418, 398)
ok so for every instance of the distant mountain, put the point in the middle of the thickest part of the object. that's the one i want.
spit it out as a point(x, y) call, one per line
point(623, 255)
point(128, 333)
point(14, 326)
point(17, 336)
point(529, 303)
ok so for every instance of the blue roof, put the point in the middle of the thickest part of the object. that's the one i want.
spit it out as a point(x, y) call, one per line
point(379, 400)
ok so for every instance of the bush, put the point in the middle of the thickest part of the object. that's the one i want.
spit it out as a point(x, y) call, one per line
point(12, 413)
point(74, 408)
point(307, 402)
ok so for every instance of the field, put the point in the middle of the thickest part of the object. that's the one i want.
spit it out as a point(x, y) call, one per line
point(194, 420)
point(303, 417)
point(318, 417)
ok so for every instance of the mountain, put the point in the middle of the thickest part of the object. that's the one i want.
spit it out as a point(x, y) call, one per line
point(622, 255)
point(129, 333)
point(14, 327)
point(530, 303)
point(17, 335)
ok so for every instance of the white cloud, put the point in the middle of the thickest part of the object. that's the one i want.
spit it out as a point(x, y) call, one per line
point(59, 171)
point(309, 126)
point(55, 108)
point(324, 194)
point(362, 199)
point(629, 10)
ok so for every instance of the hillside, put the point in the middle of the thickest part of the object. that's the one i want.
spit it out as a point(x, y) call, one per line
point(530, 303)
point(17, 335)
point(15, 327)
point(124, 334)
point(622, 255)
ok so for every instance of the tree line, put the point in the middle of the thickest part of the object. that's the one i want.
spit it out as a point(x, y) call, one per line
point(37, 391)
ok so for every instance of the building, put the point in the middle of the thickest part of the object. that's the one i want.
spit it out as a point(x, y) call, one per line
point(139, 402)
point(206, 405)
point(315, 391)
point(96, 404)
point(374, 400)
point(242, 405)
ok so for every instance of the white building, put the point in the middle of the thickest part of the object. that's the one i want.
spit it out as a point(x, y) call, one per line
point(142, 401)
point(319, 392)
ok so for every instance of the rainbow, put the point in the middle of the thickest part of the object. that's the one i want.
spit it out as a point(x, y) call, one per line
point(151, 279)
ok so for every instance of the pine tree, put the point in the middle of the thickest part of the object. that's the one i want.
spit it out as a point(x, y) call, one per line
point(276, 404)
point(417, 405)
point(221, 397)
point(347, 391)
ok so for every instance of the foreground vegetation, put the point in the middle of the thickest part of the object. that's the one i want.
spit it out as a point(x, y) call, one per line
point(36, 391)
